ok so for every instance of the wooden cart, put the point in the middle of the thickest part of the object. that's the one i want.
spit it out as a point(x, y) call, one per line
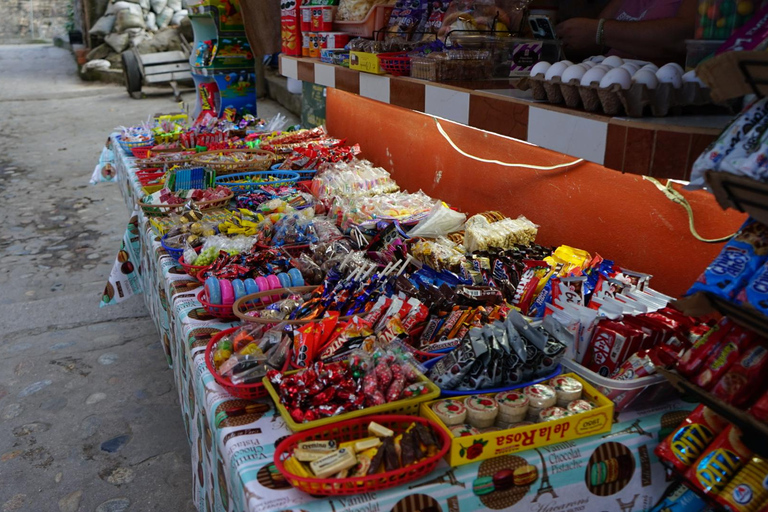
point(156, 68)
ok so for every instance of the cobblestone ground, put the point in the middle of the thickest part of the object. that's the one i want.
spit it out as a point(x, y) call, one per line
point(89, 417)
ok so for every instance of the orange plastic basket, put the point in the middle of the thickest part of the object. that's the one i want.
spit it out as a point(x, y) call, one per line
point(358, 429)
point(244, 391)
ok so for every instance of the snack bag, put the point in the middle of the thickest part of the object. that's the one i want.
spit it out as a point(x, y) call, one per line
point(747, 489)
point(719, 463)
point(756, 292)
point(745, 378)
point(737, 262)
point(406, 18)
point(720, 361)
point(728, 141)
point(683, 446)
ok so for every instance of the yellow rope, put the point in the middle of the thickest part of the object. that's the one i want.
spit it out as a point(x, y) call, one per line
point(676, 197)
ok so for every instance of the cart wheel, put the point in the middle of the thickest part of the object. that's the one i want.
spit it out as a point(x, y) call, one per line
point(132, 74)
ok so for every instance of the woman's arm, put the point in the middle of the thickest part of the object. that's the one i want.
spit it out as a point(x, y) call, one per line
point(654, 39)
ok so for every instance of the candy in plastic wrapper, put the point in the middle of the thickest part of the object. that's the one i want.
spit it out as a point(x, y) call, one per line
point(693, 359)
point(689, 440)
point(451, 369)
point(737, 341)
point(745, 378)
point(756, 292)
point(760, 408)
point(747, 490)
point(720, 462)
point(415, 389)
point(638, 365)
point(741, 257)
point(732, 137)
point(395, 389)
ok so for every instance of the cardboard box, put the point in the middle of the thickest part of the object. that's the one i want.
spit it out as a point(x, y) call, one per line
point(363, 61)
point(503, 442)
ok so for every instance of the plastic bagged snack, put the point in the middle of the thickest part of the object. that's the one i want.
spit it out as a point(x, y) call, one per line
point(406, 18)
point(356, 10)
point(741, 257)
point(737, 140)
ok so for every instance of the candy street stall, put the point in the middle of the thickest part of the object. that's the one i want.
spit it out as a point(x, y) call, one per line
point(344, 336)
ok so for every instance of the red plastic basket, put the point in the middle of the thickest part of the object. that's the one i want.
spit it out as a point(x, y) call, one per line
point(358, 429)
point(194, 270)
point(224, 312)
point(244, 391)
point(396, 64)
point(141, 152)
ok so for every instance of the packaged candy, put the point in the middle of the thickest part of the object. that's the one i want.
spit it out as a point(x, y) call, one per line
point(760, 408)
point(737, 262)
point(637, 366)
point(745, 378)
point(689, 440)
point(611, 345)
point(736, 342)
point(756, 292)
point(747, 490)
point(730, 140)
point(719, 463)
point(693, 359)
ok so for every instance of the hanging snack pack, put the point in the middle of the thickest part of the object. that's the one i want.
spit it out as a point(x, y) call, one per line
point(737, 262)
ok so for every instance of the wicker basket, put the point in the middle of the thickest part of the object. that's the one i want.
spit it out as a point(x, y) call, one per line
point(256, 160)
point(358, 429)
point(161, 210)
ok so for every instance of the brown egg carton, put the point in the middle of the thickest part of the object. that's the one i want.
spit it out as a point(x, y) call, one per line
point(615, 101)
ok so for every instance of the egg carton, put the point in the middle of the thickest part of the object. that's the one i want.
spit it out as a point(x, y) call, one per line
point(614, 100)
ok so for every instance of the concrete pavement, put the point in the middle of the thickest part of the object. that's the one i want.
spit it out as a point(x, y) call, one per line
point(89, 418)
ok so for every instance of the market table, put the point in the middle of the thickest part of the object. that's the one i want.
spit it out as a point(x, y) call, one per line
point(232, 456)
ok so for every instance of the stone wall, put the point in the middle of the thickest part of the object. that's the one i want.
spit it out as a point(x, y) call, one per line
point(26, 20)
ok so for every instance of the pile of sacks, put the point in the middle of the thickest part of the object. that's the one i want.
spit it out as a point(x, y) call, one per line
point(148, 25)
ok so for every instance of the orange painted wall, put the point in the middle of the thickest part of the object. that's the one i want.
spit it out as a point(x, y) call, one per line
point(620, 216)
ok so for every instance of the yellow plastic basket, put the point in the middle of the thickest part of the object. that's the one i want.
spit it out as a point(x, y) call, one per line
point(404, 406)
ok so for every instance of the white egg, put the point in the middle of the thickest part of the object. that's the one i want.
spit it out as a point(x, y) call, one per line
point(589, 64)
point(647, 77)
point(593, 75)
point(652, 67)
point(616, 76)
point(691, 77)
point(555, 69)
point(567, 62)
point(669, 75)
point(630, 67)
point(597, 58)
point(574, 72)
point(604, 67)
point(613, 61)
point(540, 68)
point(675, 65)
